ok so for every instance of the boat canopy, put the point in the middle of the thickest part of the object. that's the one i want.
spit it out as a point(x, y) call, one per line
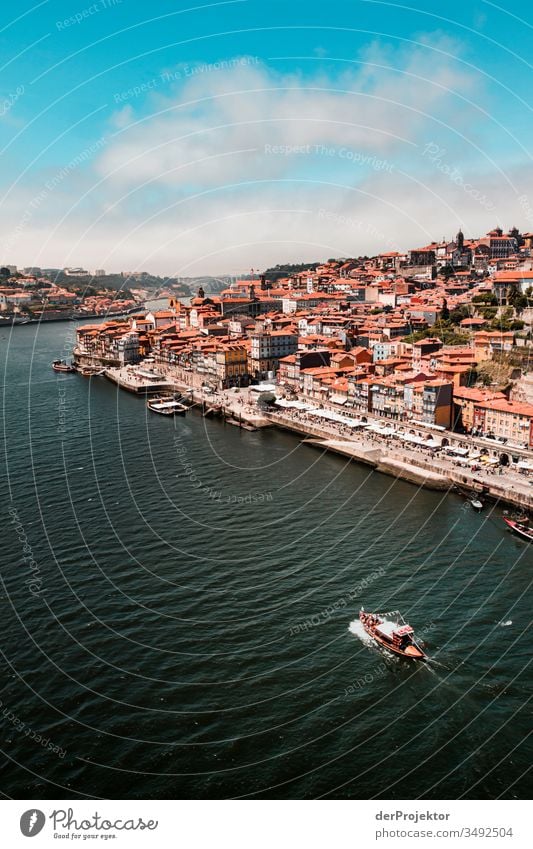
point(164, 405)
point(387, 628)
point(405, 629)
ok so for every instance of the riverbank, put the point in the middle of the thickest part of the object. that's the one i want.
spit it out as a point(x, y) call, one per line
point(414, 464)
point(437, 472)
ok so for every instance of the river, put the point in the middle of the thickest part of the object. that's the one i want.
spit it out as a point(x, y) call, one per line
point(178, 606)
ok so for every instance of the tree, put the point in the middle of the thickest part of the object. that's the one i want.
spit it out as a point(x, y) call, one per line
point(447, 271)
point(516, 298)
point(471, 377)
point(445, 312)
point(486, 298)
point(456, 316)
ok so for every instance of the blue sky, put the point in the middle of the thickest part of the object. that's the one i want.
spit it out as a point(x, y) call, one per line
point(187, 138)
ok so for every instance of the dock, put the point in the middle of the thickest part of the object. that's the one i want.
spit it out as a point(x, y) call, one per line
point(138, 380)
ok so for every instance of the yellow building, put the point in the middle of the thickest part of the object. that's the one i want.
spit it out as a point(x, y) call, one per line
point(231, 365)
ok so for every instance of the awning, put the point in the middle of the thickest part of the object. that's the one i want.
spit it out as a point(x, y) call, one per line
point(264, 387)
point(338, 399)
point(292, 405)
point(454, 449)
point(410, 437)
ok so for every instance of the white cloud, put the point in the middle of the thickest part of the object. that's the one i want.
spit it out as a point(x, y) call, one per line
point(185, 183)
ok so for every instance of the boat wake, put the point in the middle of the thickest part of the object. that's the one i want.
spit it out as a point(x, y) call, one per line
point(357, 630)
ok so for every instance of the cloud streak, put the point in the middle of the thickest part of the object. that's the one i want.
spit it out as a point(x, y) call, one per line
point(230, 166)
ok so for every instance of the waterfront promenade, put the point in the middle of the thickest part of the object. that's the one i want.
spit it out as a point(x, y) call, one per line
point(423, 464)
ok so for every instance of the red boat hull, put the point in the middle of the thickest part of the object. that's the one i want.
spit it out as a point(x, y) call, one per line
point(411, 653)
point(63, 369)
point(519, 530)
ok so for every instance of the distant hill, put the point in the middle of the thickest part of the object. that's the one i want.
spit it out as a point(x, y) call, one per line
point(90, 285)
point(279, 271)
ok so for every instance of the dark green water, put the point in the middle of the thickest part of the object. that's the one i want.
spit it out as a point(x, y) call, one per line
point(188, 633)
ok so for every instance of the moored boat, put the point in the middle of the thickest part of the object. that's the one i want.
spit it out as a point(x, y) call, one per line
point(397, 637)
point(166, 405)
point(520, 529)
point(62, 366)
point(476, 501)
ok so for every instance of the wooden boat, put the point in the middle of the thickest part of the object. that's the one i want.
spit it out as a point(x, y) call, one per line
point(62, 366)
point(397, 637)
point(166, 405)
point(521, 530)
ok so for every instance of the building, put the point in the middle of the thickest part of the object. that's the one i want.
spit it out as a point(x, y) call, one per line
point(500, 246)
point(487, 343)
point(437, 399)
point(465, 399)
point(268, 348)
point(509, 420)
point(231, 365)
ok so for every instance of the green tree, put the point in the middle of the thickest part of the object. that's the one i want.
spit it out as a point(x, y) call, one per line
point(456, 316)
point(516, 299)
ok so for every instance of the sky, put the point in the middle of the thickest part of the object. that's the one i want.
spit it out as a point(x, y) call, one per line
point(188, 138)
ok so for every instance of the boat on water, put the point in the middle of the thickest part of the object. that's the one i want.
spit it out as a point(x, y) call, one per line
point(524, 531)
point(11, 320)
point(90, 371)
point(62, 366)
point(396, 636)
point(476, 501)
point(166, 405)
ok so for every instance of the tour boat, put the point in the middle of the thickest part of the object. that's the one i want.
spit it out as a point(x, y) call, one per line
point(523, 531)
point(397, 637)
point(62, 366)
point(166, 406)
